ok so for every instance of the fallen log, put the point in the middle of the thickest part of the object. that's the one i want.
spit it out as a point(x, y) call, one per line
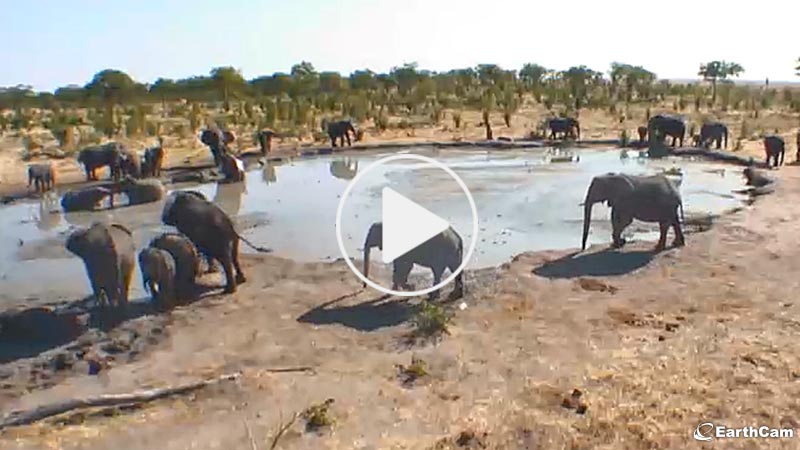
point(17, 418)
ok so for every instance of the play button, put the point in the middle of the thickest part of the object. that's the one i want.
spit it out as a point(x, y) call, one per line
point(409, 231)
point(406, 225)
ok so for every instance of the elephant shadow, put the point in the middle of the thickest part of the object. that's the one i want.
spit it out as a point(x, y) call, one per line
point(608, 262)
point(370, 315)
point(30, 332)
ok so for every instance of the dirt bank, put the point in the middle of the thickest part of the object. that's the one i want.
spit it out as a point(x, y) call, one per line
point(655, 343)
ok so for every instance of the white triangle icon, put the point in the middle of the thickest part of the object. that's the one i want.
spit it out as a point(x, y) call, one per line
point(406, 225)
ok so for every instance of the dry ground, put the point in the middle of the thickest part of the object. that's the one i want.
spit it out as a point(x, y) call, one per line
point(656, 344)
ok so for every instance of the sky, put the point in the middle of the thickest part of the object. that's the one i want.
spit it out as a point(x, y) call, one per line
point(50, 43)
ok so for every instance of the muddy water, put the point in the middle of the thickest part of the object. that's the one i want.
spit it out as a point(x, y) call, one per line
point(524, 200)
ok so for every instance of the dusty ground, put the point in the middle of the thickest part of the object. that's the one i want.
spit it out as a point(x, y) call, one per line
point(656, 344)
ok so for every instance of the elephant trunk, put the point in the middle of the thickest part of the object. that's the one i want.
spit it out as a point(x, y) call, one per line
point(374, 239)
point(587, 218)
point(366, 262)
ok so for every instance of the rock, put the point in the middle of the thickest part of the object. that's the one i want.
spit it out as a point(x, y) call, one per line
point(574, 402)
point(592, 284)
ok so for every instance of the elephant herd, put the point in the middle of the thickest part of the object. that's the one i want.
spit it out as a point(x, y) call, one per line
point(170, 263)
point(663, 126)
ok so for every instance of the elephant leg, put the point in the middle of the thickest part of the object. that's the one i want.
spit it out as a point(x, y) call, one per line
point(619, 222)
point(349, 144)
point(663, 227)
point(679, 241)
point(230, 281)
point(333, 141)
point(458, 289)
point(240, 278)
point(400, 272)
point(125, 285)
point(437, 278)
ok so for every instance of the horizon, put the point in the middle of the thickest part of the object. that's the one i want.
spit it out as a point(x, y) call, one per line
point(155, 40)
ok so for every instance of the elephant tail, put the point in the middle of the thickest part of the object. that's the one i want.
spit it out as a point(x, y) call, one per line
point(253, 246)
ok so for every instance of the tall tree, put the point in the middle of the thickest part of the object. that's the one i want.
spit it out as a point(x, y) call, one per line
point(165, 89)
point(305, 80)
point(228, 81)
point(532, 76)
point(797, 68)
point(636, 80)
point(715, 71)
point(578, 79)
point(113, 87)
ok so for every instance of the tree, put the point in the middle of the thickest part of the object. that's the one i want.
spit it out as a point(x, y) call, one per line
point(228, 81)
point(636, 80)
point(578, 79)
point(715, 71)
point(113, 87)
point(797, 69)
point(164, 89)
point(532, 76)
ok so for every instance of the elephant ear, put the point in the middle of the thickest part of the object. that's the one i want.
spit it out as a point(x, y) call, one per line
point(619, 187)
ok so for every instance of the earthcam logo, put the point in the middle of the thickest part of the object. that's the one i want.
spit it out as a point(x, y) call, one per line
point(708, 431)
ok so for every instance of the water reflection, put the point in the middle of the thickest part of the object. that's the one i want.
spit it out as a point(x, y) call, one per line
point(229, 197)
point(344, 169)
point(268, 173)
point(49, 212)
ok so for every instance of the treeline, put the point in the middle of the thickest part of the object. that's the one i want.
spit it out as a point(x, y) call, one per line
point(302, 97)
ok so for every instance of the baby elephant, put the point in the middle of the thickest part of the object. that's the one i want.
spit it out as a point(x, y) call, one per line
point(86, 199)
point(153, 160)
point(187, 260)
point(108, 252)
point(158, 275)
point(42, 176)
point(142, 191)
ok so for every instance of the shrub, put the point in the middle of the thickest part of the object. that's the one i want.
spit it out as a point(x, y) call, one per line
point(457, 119)
point(318, 415)
point(430, 322)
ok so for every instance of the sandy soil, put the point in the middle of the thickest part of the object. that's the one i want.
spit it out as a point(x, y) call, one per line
point(655, 343)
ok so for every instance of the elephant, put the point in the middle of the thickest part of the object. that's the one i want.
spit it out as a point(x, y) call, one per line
point(652, 198)
point(215, 140)
point(42, 176)
point(344, 169)
point(232, 168)
point(86, 199)
point(95, 157)
point(341, 129)
point(665, 125)
point(564, 125)
point(713, 132)
point(153, 160)
point(187, 260)
point(130, 164)
point(109, 254)
point(210, 229)
point(443, 251)
point(142, 191)
point(159, 276)
point(642, 133)
point(775, 148)
point(756, 178)
point(264, 139)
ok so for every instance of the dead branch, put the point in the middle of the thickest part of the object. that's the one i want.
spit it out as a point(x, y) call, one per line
point(282, 428)
point(17, 418)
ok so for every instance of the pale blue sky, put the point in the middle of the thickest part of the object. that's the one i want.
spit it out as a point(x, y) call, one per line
point(51, 43)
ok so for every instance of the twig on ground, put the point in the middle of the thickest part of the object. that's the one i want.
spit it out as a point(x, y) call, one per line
point(282, 428)
point(16, 418)
point(253, 445)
